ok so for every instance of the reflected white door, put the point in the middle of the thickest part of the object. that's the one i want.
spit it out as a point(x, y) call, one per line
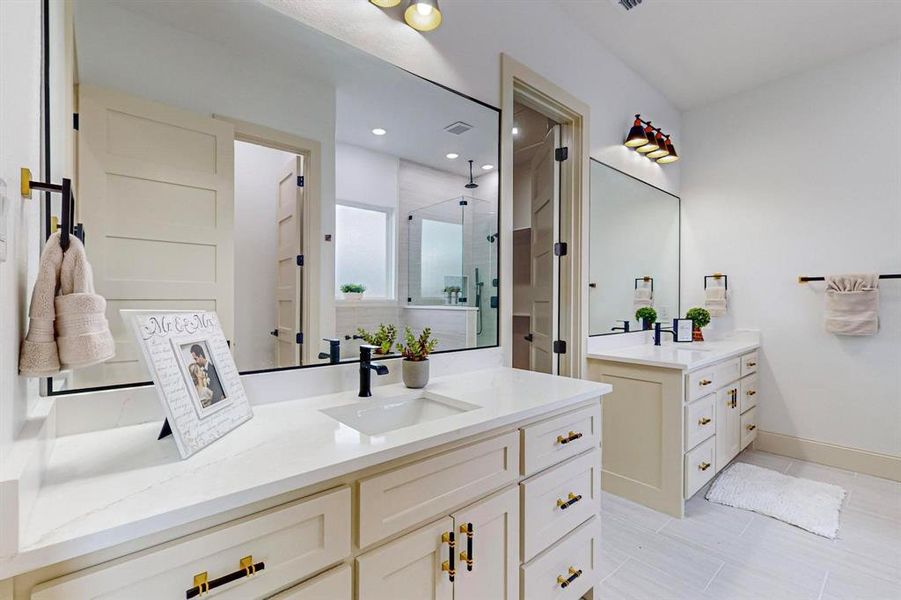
point(545, 224)
point(156, 196)
point(288, 282)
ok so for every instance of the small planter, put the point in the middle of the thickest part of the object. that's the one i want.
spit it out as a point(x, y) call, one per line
point(353, 296)
point(416, 373)
point(696, 334)
point(647, 324)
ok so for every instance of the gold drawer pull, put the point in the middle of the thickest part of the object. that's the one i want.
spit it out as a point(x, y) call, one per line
point(574, 574)
point(703, 420)
point(752, 427)
point(704, 466)
point(705, 382)
point(202, 584)
point(573, 498)
point(752, 392)
point(569, 438)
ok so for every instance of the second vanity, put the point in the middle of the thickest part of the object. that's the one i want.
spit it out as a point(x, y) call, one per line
point(486, 485)
point(678, 414)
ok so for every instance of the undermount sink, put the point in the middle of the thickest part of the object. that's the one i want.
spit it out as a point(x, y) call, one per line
point(374, 416)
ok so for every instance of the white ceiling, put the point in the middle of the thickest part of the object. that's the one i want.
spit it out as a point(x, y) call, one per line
point(699, 51)
point(369, 92)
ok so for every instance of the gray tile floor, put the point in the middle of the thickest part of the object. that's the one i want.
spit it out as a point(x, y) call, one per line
point(718, 552)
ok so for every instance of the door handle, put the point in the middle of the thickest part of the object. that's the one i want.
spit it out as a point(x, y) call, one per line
point(528, 338)
point(274, 332)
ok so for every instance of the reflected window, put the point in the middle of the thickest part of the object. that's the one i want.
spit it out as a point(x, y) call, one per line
point(363, 249)
point(442, 256)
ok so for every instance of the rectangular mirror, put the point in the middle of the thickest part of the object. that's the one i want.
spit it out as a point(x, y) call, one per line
point(634, 251)
point(233, 159)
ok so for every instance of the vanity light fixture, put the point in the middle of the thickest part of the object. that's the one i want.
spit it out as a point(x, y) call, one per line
point(423, 15)
point(452, 155)
point(385, 3)
point(661, 151)
point(636, 135)
point(487, 167)
point(671, 157)
point(651, 144)
point(378, 131)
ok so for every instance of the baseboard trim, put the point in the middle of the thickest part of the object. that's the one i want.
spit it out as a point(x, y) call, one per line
point(851, 459)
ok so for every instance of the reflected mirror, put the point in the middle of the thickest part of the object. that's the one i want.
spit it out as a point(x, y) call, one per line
point(231, 158)
point(634, 251)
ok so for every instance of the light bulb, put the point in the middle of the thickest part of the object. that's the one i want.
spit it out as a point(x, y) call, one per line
point(424, 9)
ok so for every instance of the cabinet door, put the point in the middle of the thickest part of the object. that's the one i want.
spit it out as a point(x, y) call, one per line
point(495, 549)
point(409, 568)
point(728, 425)
point(336, 584)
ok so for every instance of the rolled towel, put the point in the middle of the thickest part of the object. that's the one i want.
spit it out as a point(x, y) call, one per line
point(715, 300)
point(39, 355)
point(852, 304)
point(82, 330)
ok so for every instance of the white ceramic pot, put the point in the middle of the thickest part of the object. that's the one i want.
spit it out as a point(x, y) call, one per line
point(416, 373)
point(354, 296)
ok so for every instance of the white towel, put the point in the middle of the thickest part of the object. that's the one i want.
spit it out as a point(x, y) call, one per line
point(715, 300)
point(852, 304)
point(39, 355)
point(642, 297)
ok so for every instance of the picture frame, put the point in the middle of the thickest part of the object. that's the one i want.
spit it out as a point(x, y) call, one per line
point(190, 362)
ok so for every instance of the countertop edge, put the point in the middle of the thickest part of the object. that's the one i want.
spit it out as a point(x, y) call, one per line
point(700, 364)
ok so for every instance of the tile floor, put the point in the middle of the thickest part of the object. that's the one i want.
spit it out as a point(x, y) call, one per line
point(718, 552)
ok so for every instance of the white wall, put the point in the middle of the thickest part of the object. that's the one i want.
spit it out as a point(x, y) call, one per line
point(801, 177)
point(365, 176)
point(464, 54)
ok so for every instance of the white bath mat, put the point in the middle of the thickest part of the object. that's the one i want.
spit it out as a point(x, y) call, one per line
point(807, 504)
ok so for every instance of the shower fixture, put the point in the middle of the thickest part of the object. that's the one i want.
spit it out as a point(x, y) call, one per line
point(492, 237)
point(472, 184)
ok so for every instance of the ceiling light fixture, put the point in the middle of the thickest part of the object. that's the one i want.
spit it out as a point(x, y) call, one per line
point(661, 151)
point(423, 15)
point(487, 167)
point(472, 184)
point(378, 131)
point(636, 135)
point(385, 3)
point(452, 155)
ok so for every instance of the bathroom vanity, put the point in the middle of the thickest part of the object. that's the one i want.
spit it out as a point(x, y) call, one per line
point(485, 485)
point(677, 415)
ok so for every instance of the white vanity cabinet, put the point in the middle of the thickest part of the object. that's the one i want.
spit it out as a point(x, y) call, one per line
point(673, 421)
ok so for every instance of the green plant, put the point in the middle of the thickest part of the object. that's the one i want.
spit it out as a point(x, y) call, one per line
point(699, 316)
point(383, 337)
point(353, 288)
point(646, 313)
point(451, 289)
point(417, 348)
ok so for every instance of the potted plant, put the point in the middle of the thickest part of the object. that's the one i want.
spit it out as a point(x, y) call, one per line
point(647, 316)
point(448, 293)
point(415, 351)
point(383, 337)
point(352, 291)
point(700, 317)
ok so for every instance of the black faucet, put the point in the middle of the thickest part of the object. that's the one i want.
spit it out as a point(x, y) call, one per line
point(624, 328)
point(366, 365)
point(334, 350)
point(658, 331)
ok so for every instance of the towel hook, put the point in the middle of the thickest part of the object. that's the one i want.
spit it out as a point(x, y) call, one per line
point(66, 227)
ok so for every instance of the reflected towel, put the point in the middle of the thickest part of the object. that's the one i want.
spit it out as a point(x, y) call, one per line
point(642, 297)
point(39, 355)
point(715, 300)
point(852, 304)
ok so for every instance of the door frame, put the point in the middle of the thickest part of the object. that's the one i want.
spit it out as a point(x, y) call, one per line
point(311, 150)
point(521, 84)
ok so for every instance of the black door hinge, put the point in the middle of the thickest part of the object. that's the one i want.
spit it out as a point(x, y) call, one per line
point(75, 121)
point(560, 347)
point(300, 181)
point(560, 249)
point(298, 338)
point(300, 260)
point(561, 154)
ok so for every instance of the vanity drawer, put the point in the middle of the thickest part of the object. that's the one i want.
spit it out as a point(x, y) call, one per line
point(699, 466)
point(727, 372)
point(558, 500)
point(393, 501)
point(748, 427)
point(748, 392)
point(701, 383)
point(337, 584)
point(574, 558)
point(700, 420)
point(548, 442)
point(291, 541)
point(749, 363)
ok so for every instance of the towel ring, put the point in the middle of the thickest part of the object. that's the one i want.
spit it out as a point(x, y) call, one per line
point(725, 279)
point(646, 278)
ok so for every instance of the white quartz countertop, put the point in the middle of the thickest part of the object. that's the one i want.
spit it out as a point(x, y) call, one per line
point(107, 487)
point(684, 356)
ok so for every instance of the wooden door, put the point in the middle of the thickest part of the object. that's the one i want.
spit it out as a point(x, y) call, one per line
point(288, 284)
point(544, 268)
point(495, 548)
point(156, 196)
point(409, 568)
point(728, 425)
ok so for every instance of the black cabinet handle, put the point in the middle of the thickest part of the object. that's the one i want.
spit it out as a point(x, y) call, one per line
point(466, 528)
point(448, 565)
point(572, 436)
point(574, 574)
point(204, 586)
point(572, 499)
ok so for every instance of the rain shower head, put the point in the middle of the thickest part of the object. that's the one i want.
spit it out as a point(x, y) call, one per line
point(472, 184)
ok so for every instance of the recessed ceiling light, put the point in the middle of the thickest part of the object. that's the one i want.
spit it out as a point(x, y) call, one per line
point(515, 131)
point(487, 167)
point(378, 131)
point(452, 155)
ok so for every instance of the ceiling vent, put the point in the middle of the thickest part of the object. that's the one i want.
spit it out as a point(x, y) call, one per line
point(626, 4)
point(458, 128)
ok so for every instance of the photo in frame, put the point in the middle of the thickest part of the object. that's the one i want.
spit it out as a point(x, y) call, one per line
point(192, 367)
